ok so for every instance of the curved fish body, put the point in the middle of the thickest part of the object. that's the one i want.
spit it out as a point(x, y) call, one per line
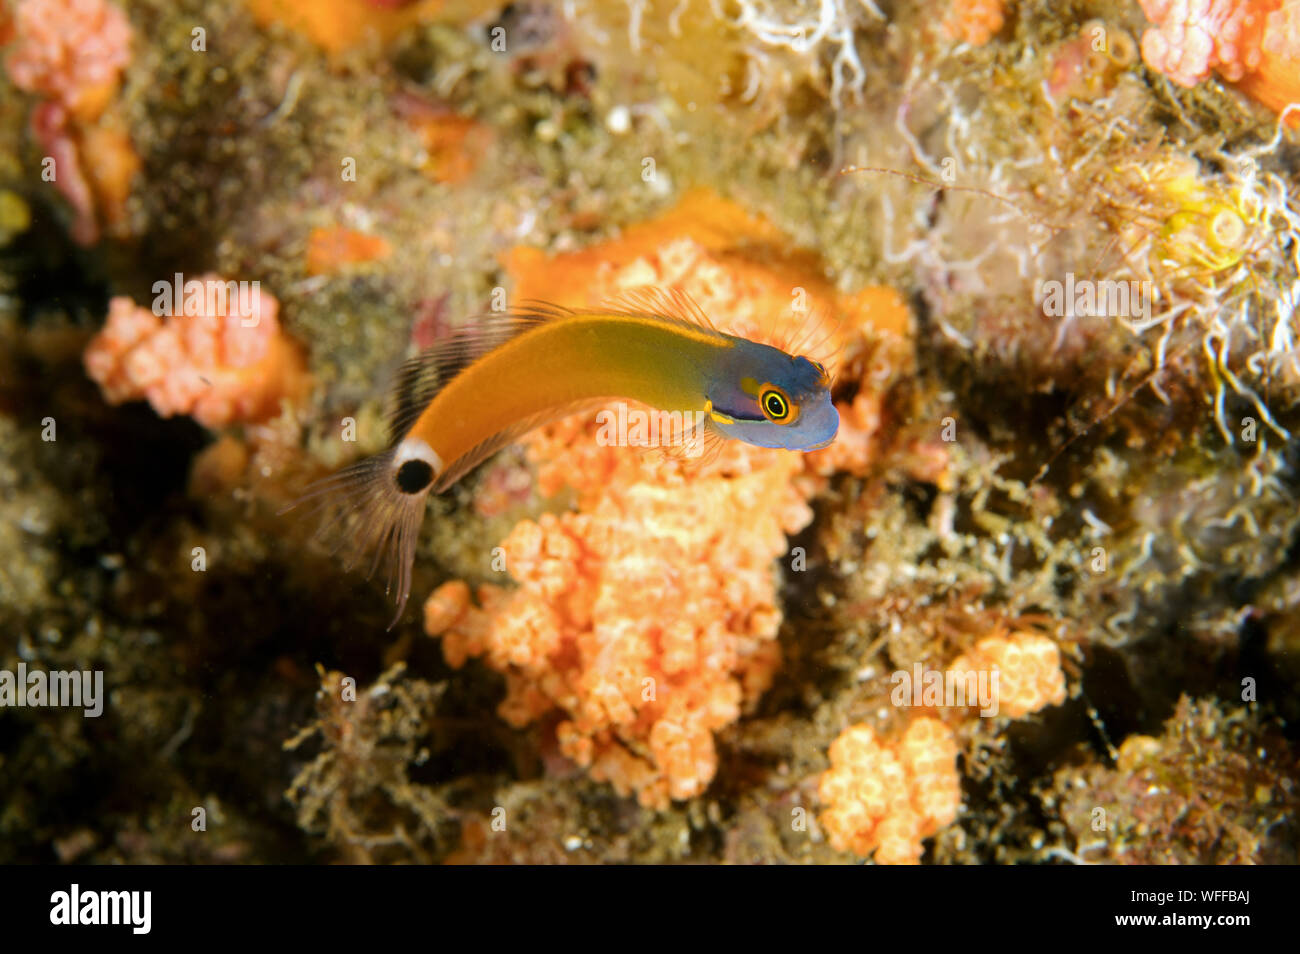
point(479, 390)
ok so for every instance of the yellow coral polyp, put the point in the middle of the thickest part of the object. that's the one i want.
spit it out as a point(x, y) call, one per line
point(1029, 671)
point(1208, 238)
point(885, 797)
point(1211, 224)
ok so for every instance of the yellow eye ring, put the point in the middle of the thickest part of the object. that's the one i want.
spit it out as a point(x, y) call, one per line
point(774, 404)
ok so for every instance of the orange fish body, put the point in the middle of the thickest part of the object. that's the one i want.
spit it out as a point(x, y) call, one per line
point(470, 395)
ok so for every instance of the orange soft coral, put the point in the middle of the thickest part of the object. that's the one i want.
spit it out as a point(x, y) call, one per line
point(973, 21)
point(1254, 43)
point(334, 249)
point(1029, 671)
point(648, 620)
point(887, 797)
point(648, 617)
point(235, 365)
point(454, 145)
point(336, 25)
point(1276, 83)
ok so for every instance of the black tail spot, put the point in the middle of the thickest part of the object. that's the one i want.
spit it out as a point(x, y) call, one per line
point(414, 476)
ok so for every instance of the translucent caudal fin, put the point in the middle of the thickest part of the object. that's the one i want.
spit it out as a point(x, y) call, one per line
point(370, 513)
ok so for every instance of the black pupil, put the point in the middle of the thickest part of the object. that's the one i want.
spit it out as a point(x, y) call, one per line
point(775, 405)
point(413, 476)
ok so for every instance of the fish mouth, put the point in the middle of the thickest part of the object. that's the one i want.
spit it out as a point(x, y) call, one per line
point(827, 421)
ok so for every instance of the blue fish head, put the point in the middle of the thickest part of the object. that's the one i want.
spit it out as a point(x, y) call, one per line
point(769, 398)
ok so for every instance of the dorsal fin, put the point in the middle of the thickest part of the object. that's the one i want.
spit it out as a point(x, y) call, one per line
point(540, 310)
point(419, 379)
point(671, 304)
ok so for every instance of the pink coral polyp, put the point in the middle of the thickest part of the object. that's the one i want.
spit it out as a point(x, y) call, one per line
point(219, 368)
point(68, 50)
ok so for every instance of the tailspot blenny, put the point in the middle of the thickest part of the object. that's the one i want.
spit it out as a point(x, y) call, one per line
point(483, 387)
